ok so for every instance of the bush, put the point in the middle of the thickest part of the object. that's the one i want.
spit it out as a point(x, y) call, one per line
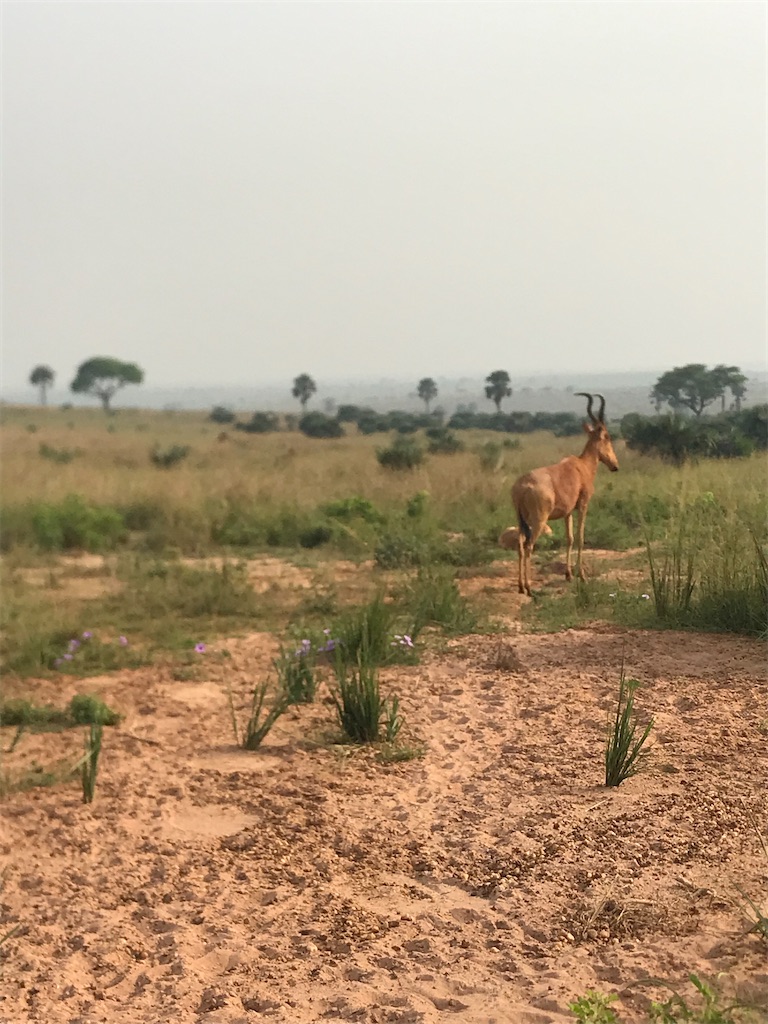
point(260, 423)
point(434, 599)
point(443, 441)
point(220, 414)
point(346, 509)
point(74, 524)
point(60, 455)
point(677, 439)
point(164, 458)
point(317, 424)
point(352, 413)
point(404, 453)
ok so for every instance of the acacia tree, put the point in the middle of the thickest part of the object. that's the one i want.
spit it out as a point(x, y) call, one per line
point(102, 376)
point(303, 389)
point(695, 387)
point(42, 377)
point(427, 391)
point(497, 387)
point(733, 379)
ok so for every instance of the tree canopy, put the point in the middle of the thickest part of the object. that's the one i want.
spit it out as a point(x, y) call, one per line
point(42, 377)
point(695, 387)
point(102, 376)
point(427, 391)
point(303, 388)
point(497, 387)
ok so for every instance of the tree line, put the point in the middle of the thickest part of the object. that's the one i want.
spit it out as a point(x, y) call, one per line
point(690, 388)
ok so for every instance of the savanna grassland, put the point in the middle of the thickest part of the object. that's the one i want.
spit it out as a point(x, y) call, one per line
point(242, 858)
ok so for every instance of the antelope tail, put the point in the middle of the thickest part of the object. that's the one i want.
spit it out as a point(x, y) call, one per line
point(525, 528)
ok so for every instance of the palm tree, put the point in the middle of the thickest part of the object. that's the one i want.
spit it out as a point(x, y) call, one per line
point(427, 391)
point(497, 387)
point(42, 377)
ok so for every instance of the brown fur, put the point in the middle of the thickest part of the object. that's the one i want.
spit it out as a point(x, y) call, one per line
point(508, 538)
point(555, 492)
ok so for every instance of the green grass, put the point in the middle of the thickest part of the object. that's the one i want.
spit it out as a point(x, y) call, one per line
point(624, 754)
point(705, 1004)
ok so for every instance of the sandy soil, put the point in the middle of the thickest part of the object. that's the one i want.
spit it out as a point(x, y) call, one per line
point(492, 880)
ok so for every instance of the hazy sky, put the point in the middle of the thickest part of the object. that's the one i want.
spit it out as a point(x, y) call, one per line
point(237, 193)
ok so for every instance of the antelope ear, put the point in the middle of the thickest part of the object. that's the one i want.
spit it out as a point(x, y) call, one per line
point(587, 428)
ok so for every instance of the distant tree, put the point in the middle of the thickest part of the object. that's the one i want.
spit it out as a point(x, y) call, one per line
point(221, 414)
point(427, 391)
point(102, 376)
point(695, 387)
point(42, 377)
point(497, 387)
point(733, 379)
point(303, 388)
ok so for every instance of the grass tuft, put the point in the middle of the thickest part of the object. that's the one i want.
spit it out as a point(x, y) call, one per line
point(89, 766)
point(624, 752)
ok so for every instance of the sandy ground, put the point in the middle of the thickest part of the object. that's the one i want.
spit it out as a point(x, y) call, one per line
point(492, 880)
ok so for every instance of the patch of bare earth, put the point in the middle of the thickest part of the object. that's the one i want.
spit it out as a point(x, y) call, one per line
point(494, 879)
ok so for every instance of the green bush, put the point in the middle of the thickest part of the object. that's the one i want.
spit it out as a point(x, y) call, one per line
point(164, 458)
point(317, 424)
point(433, 598)
point(443, 441)
point(404, 453)
point(220, 414)
point(73, 523)
point(59, 455)
point(260, 423)
point(346, 509)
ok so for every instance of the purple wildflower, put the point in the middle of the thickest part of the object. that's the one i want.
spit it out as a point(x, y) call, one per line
point(87, 635)
point(200, 648)
point(123, 641)
point(74, 644)
point(67, 657)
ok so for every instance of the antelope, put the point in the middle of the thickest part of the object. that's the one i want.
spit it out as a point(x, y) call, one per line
point(553, 492)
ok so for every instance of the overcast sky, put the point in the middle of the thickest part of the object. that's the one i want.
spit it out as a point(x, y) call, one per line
point(237, 193)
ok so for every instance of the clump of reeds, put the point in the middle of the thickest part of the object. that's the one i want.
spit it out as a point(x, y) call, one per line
point(624, 752)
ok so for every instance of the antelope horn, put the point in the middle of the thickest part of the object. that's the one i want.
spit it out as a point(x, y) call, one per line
point(589, 399)
point(601, 413)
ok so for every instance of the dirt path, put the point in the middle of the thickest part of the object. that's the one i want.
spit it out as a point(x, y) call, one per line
point(494, 879)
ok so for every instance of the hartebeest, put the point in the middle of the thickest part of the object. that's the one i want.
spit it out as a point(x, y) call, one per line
point(553, 492)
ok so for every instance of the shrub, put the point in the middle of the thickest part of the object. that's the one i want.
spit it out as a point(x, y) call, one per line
point(491, 456)
point(73, 523)
point(60, 455)
point(260, 423)
point(443, 441)
point(86, 709)
point(404, 453)
point(677, 439)
point(352, 413)
point(164, 458)
point(220, 414)
point(399, 550)
point(433, 598)
point(317, 424)
point(315, 536)
point(346, 509)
